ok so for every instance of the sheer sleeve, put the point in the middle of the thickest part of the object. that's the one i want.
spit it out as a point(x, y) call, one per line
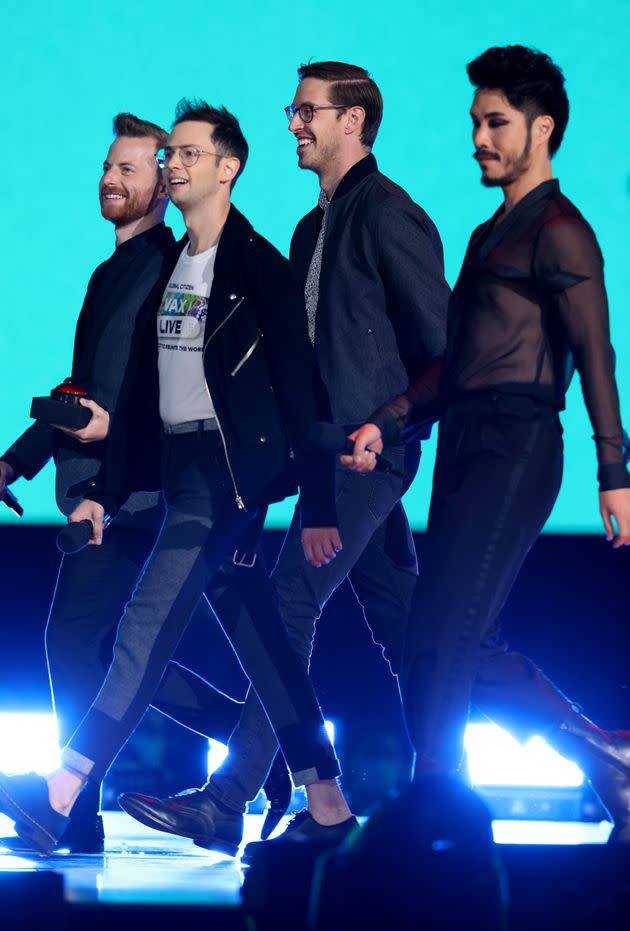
point(568, 263)
point(418, 407)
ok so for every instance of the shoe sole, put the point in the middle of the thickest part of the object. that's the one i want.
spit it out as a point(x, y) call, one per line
point(43, 842)
point(152, 820)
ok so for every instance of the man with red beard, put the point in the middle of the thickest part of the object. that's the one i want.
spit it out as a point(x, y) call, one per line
point(94, 584)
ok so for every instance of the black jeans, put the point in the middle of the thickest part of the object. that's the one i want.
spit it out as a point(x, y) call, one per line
point(497, 476)
point(201, 528)
point(378, 557)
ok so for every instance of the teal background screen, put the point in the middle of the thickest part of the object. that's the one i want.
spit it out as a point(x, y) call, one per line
point(68, 68)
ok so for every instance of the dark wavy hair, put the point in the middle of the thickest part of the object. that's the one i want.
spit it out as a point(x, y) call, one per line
point(226, 134)
point(350, 86)
point(531, 82)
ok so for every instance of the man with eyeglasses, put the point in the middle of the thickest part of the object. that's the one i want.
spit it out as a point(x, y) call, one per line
point(94, 584)
point(370, 263)
point(234, 382)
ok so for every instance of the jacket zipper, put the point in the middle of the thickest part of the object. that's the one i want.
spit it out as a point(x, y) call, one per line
point(247, 355)
point(239, 501)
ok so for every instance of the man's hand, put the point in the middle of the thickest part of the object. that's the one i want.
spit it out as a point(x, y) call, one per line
point(96, 429)
point(90, 510)
point(6, 475)
point(363, 459)
point(320, 544)
point(616, 504)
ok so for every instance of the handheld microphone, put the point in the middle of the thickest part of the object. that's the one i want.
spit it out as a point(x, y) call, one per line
point(332, 438)
point(74, 536)
point(12, 502)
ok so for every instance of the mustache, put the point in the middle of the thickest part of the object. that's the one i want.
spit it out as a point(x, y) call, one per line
point(112, 190)
point(485, 153)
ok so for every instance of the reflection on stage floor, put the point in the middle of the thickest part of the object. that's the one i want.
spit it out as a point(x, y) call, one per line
point(142, 866)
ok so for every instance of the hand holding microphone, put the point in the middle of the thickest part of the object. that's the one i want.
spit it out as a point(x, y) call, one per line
point(74, 536)
point(360, 452)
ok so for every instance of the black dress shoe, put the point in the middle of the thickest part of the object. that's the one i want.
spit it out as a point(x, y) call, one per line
point(193, 814)
point(79, 837)
point(303, 829)
point(24, 799)
point(278, 788)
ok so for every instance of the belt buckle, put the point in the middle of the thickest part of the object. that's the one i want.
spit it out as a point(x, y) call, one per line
point(241, 559)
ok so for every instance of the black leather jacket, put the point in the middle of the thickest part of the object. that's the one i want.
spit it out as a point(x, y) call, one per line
point(262, 377)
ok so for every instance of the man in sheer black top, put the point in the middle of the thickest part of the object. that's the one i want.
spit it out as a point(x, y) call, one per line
point(529, 307)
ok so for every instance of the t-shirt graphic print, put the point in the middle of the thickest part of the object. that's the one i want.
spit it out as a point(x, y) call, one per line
point(181, 323)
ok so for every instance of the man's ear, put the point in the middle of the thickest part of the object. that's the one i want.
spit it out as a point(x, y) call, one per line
point(543, 129)
point(229, 169)
point(161, 192)
point(355, 118)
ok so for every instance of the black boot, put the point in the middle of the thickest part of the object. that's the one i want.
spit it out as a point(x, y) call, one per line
point(604, 758)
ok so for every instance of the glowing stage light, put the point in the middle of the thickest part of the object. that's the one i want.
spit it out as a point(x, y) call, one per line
point(330, 730)
point(495, 758)
point(28, 742)
point(217, 752)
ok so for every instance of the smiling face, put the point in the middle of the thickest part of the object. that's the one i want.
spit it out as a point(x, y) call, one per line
point(129, 184)
point(211, 174)
point(502, 137)
point(320, 142)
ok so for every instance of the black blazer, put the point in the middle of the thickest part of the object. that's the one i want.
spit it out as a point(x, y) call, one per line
point(105, 339)
point(381, 314)
point(261, 372)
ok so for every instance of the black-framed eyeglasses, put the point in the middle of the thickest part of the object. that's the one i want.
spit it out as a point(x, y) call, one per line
point(306, 111)
point(189, 155)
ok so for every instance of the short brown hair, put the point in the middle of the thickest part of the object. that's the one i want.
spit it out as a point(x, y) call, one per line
point(351, 86)
point(126, 124)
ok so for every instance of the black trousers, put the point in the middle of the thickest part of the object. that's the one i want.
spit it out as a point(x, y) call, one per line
point(201, 528)
point(497, 475)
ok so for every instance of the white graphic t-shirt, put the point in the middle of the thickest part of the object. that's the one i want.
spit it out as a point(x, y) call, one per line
point(181, 322)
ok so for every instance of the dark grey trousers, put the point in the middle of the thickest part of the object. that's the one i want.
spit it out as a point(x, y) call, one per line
point(201, 528)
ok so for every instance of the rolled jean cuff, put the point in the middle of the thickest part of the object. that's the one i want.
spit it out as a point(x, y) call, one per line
point(306, 777)
point(74, 760)
point(309, 753)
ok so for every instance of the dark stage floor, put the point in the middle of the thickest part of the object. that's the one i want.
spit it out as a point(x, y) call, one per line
point(149, 878)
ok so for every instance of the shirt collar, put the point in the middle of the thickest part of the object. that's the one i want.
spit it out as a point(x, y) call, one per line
point(541, 192)
point(155, 234)
point(366, 166)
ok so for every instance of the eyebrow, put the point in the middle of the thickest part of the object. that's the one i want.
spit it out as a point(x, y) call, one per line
point(491, 113)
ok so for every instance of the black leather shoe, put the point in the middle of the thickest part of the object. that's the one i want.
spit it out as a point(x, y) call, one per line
point(193, 814)
point(24, 799)
point(278, 788)
point(604, 757)
point(303, 829)
point(80, 837)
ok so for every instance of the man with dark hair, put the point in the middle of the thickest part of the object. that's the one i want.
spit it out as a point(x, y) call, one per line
point(529, 307)
point(226, 134)
point(94, 584)
point(370, 262)
point(233, 384)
